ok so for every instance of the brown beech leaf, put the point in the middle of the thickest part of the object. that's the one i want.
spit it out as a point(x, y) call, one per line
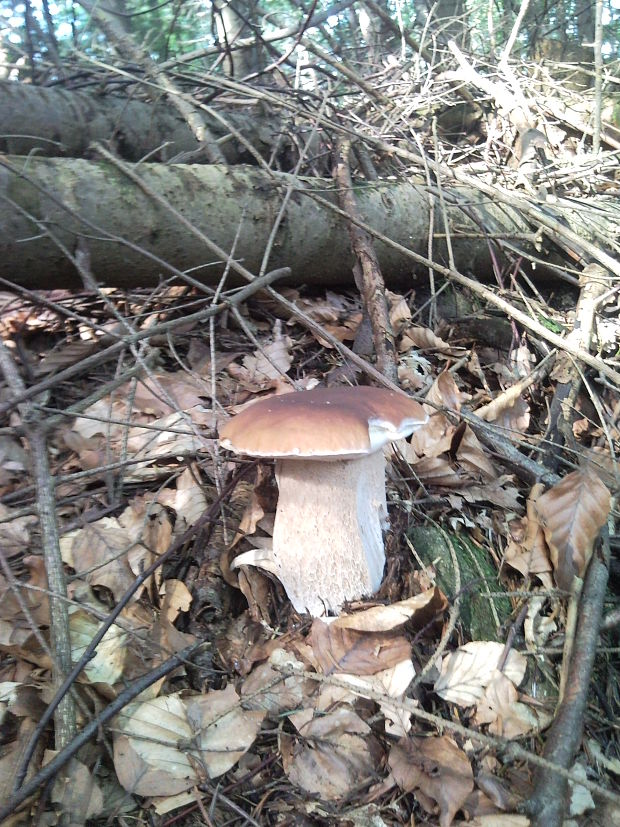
point(437, 770)
point(362, 653)
point(268, 689)
point(445, 392)
point(466, 672)
point(400, 314)
point(511, 412)
point(425, 339)
point(166, 745)
point(335, 753)
point(501, 709)
point(571, 515)
point(527, 550)
point(367, 642)
point(77, 793)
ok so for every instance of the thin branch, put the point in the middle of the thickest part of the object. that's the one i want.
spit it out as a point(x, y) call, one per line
point(64, 718)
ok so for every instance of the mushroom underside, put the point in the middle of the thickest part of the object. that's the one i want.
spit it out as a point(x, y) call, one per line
point(328, 532)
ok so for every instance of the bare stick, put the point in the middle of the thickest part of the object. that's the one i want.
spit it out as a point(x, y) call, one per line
point(50, 770)
point(548, 802)
point(368, 274)
point(64, 718)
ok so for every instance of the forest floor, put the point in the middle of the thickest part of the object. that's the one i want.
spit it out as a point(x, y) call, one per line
point(426, 703)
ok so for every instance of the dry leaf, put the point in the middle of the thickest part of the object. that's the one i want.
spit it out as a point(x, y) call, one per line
point(572, 513)
point(467, 672)
point(177, 598)
point(333, 755)
point(501, 709)
point(268, 689)
point(436, 770)
point(224, 730)
point(77, 793)
point(165, 744)
point(14, 532)
point(527, 551)
point(400, 314)
point(267, 365)
point(11, 757)
point(393, 682)
point(162, 393)
point(425, 339)
point(147, 759)
point(419, 609)
point(101, 551)
point(106, 667)
point(472, 458)
point(509, 412)
point(362, 653)
point(445, 393)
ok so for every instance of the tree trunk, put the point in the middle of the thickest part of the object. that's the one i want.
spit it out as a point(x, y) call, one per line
point(124, 228)
point(56, 122)
point(235, 21)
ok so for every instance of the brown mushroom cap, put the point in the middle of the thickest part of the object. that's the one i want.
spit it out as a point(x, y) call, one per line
point(326, 423)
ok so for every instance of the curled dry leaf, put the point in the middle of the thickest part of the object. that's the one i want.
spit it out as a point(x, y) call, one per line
point(418, 610)
point(510, 412)
point(445, 393)
point(362, 653)
point(436, 770)
point(467, 672)
point(393, 682)
point(527, 551)
point(177, 598)
point(425, 339)
point(368, 642)
point(501, 709)
point(101, 551)
point(571, 514)
point(400, 314)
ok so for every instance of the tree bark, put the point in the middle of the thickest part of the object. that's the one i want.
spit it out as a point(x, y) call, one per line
point(57, 122)
point(47, 204)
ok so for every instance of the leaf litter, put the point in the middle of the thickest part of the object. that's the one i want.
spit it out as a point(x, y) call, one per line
point(329, 705)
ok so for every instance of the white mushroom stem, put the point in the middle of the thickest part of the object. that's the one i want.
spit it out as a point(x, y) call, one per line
point(328, 532)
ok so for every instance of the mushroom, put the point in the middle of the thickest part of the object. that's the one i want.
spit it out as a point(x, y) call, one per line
point(330, 470)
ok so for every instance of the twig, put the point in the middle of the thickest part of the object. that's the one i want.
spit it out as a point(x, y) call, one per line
point(36, 429)
point(487, 293)
point(548, 801)
point(127, 695)
point(108, 352)
point(511, 750)
point(594, 283)
point(368, 274)
point(90, 650)
point(128, 49)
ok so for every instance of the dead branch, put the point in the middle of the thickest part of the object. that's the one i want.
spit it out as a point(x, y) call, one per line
point(367, 271)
